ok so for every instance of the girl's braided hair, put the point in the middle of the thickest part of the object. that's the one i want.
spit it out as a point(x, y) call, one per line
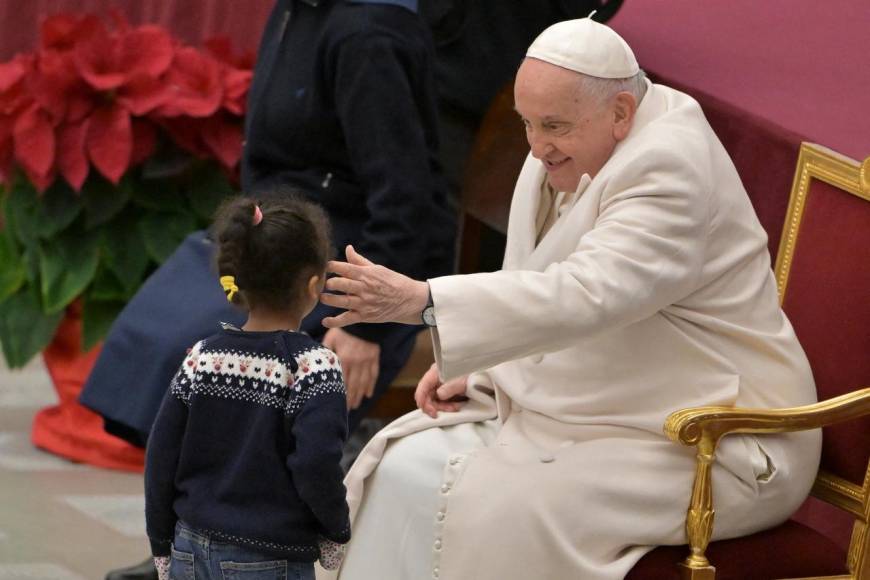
point(273, 260)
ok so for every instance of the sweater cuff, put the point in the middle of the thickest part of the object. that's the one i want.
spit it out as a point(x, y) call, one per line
point(341, 537)
point(160, 547)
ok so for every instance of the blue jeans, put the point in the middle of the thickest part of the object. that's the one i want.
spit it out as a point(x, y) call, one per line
point(196, 556)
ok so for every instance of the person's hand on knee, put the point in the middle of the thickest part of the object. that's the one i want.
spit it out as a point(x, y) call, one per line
point(432, 395)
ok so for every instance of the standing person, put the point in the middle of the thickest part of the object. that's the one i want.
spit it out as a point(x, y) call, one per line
point(242, 470)
point(342, 106)
point(636, 282)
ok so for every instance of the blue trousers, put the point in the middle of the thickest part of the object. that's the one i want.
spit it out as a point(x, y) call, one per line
point(196, 556)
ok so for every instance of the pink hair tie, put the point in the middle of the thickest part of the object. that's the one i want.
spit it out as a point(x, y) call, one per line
point(258, 215)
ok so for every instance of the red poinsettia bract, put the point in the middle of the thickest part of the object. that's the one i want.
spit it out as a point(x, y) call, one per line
point(95, 96)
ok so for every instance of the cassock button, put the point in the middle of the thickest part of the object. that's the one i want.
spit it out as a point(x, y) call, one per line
point(440, 516)
point(435, 573)
point(546, 458)
point(445, 488)
point(454, 461)
point(437, 544)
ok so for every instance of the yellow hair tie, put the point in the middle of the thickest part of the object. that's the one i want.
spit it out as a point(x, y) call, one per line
point(229, 285)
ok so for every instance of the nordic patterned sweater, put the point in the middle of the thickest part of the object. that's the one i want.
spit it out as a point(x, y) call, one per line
point(247, 443)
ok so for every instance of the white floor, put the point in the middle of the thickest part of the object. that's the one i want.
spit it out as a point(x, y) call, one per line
point(59, 520)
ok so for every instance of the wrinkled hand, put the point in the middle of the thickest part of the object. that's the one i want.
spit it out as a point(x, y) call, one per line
point(360, 360)
point(372, 293)
point(432, 395)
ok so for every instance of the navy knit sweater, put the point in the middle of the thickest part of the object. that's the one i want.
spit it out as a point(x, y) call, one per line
point(247, 443)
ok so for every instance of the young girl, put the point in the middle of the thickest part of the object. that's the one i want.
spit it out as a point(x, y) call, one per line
point(242, 473)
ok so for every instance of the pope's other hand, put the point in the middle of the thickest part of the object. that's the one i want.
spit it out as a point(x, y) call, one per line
point(432, 395)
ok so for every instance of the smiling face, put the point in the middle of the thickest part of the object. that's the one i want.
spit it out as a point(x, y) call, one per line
point(570, 132)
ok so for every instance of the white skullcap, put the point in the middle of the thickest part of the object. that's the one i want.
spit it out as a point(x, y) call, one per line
point(587, 47)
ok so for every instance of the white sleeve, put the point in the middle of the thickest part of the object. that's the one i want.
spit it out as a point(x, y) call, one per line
point(644, 253)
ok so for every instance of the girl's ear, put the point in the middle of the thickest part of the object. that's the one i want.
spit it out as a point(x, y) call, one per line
point(315, 285)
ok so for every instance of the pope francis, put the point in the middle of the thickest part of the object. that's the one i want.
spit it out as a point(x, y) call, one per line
point(636, 282)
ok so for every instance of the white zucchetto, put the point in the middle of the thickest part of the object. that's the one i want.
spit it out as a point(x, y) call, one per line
point(587, 47)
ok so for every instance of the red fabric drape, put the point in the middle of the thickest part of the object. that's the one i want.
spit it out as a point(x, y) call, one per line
point(192, 21)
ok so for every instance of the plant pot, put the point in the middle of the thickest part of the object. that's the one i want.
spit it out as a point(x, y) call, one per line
point(68, 429)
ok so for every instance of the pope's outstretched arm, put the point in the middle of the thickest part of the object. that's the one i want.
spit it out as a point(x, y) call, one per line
point(645, 253)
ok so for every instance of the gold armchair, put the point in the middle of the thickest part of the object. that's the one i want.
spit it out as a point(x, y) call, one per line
point(703, 427)
point(822, 182)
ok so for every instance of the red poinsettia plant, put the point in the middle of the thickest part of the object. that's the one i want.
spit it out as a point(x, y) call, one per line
point(115, 142)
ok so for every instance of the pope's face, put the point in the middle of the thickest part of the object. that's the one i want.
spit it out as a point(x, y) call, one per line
point(570, 132)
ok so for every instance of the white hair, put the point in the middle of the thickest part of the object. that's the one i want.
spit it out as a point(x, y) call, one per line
point(602, 90)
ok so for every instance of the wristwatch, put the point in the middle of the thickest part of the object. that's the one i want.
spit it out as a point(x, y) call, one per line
point(428, 314)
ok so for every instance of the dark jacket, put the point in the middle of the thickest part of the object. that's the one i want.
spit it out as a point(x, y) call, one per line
point(343, 106)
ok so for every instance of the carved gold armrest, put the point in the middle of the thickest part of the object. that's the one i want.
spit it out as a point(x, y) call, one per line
point(703, 427)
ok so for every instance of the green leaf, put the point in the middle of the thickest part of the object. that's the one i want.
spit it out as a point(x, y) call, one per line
point(30, 258)
point(107, 287)
point(103, 200)
point(97, 318)
point(31, 216)
point(208, 188)
point(124, 251)
point(24, 329)
point(163, 232)
point(168, 162)
point(60, 206)
point(67, 264)
point(160, 195)
point(12, 271)
point(22, 212)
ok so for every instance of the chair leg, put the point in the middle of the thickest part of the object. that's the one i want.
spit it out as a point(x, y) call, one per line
point(699, 519)
point(859, 551)
point(705, 573)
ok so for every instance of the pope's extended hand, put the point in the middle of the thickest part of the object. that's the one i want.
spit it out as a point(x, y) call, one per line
point(372, 293)
point(432, 395)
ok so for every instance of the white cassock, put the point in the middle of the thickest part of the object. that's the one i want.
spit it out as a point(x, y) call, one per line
point(652, 293)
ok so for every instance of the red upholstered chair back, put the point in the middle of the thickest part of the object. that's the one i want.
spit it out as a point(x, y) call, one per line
point(823, 273)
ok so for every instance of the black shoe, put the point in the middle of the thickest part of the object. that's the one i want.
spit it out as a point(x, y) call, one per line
point(142, 571)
